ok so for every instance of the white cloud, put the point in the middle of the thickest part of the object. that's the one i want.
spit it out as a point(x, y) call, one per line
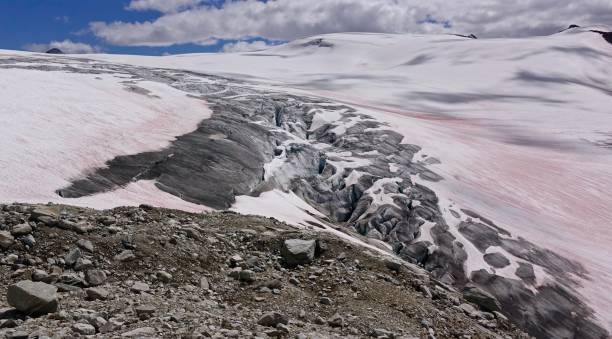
point(164, 6)
point(291, 19)
point(245, 46)
point(63, 18)
point(66, 46)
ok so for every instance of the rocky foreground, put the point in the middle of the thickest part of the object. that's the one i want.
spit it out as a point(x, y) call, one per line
point(153, 273)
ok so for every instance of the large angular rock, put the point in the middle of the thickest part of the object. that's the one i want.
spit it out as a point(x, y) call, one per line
point(298, 252)
point(33, 298)
point(485, 300)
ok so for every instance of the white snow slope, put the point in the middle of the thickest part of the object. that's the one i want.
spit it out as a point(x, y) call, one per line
point(519, 125)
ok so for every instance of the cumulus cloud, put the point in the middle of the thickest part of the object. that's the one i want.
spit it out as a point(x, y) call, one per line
point(245, 46)
point(66, 46)
point(164, 6)
point(194, 21)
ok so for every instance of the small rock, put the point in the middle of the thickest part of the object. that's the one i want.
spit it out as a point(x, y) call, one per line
point(72, 256)
point(298, 252)
point(469, 309)
point(33, 298)
point(40, 275)
point(393, 265)
point(271, 319)
point(325, 301)
point(164, 276)
point(28, 240)
point(235, 272)
point(6, 239)
point(72, 279)
point(425, 323)
point(83, 264)
point(83, 228)
point(97, 293)
point(107, 220)
point(11, 258)
point(145, 311)
point(98, 322)
point(204, 284)
point(283, 328)
point(111, 325)
point(95, 277)
point(21, 229)
point(143, 332)
point(125, 256)
point(86, 245)
point(139, 287)
point(246, 276)
point(235, 260)
point(335, 321)
point(382, 334)
point(43, 214)
point(499, 316)
point(426, 291)
point(84, 329)
point(18, 335)
point(8, 323)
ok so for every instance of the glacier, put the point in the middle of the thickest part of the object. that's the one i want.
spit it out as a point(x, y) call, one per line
point(456, 138)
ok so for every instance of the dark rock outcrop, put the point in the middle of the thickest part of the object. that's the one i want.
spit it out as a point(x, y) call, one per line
point(54, 51)
point(605, 35)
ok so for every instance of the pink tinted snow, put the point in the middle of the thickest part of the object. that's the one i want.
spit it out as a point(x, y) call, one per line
point(59, 125)
point(556, 197)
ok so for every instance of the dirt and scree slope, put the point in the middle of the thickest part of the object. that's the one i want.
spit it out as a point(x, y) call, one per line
point(144, 272)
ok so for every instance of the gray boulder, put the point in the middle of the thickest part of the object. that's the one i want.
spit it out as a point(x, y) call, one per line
point(298, 252)
point(33, 298)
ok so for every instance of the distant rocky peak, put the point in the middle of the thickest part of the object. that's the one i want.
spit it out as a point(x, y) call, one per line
point(54, 51)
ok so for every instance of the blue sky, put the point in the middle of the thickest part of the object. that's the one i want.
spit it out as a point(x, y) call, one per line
point(156, 27)
point(26, 22)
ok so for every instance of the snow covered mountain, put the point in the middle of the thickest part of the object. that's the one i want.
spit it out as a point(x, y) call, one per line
point(489, 162)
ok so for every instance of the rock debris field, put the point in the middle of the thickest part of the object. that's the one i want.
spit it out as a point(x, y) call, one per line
point(143, 272)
